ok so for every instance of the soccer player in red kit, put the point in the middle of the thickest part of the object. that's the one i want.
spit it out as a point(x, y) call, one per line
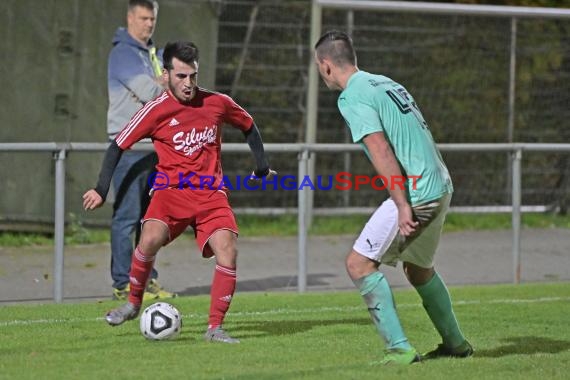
point(184, 123)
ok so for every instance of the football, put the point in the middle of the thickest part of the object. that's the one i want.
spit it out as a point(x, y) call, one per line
point(160, 321)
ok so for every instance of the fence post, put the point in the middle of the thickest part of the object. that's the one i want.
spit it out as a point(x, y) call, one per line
point(312, 102)
point(59, 224)
point(511, 105)
point(302, 222)
point(516, 215)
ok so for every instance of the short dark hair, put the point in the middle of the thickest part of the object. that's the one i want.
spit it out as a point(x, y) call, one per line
point(185, 51)
point(336, 46)
point(148, 4)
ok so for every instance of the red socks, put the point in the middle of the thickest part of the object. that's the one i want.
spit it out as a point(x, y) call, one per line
point(223, 287)
point(222, 291)
point(141, 266)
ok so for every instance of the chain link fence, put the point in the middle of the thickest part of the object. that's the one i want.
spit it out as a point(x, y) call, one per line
point(457, 68)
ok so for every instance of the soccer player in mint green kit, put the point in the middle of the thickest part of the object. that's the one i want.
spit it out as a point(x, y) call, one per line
point(384, 118)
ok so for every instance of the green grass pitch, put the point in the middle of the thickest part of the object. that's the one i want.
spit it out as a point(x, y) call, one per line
point(518, 331)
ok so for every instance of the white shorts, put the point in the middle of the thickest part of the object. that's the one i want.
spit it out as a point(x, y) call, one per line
point(380, 239)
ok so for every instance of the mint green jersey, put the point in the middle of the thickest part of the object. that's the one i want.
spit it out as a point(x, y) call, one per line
point(375, 103)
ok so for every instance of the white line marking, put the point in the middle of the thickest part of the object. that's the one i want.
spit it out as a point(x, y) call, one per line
point(22, 322)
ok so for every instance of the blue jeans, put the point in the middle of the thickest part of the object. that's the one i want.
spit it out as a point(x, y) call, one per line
point(130, 182)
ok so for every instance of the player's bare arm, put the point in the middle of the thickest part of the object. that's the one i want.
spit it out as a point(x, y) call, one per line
point(385, 163)
point(95, 198)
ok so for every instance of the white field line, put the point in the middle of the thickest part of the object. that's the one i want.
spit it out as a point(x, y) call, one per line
point(21, 322)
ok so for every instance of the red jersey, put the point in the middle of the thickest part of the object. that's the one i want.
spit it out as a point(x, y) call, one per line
point(187, 137)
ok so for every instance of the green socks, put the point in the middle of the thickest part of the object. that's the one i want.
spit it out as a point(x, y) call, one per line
point(378, 298)
point(437, 302)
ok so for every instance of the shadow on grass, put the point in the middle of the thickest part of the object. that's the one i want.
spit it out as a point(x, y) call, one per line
point(263, 284)
point(288, 327)
point(525, 345)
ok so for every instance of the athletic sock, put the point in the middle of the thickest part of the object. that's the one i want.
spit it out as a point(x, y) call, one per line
point(223, 288)
point(375, 290)
point(437, 303)
point(141, 266)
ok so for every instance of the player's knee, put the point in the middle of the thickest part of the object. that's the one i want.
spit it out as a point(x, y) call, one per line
point(229, 251)
point(225, 246)
point(150, 244)
point(350, 263)
point(226, 256)
point(225, 249)
point(358, 266)
point(151, 241)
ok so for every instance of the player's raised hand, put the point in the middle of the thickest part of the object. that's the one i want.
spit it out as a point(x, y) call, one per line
point(92, 200)
point(256, 180)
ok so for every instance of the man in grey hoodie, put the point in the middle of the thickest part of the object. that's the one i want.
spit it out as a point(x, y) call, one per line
point(134, 78)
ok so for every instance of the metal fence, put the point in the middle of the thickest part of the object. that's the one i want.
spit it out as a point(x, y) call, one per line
point(480, 73)
point(460, 67)
point(303, 151)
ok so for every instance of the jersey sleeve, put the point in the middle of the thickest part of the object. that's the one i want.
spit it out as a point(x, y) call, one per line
point(139, 127)
point(235, 115)
point(361, 118)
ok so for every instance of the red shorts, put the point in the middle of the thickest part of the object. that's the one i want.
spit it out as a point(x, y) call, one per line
point(206, 211)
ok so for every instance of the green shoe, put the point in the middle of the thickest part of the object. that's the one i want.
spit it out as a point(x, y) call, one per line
point(149, 295)
point(400, 356)
point(157, 292)
point(463, 351)
point(121, 294)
